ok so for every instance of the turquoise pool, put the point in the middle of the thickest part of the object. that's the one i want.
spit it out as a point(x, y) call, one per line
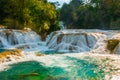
point(77, 69)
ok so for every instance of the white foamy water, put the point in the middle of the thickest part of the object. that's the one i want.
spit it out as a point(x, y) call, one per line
point(81, 40)
point(21, 39)
point(63, 41)
point(73, 41)
point(69, 62)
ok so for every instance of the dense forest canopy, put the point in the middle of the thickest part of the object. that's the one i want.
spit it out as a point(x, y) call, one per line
point(40, 15)
point(43, 16)
point(100, 14)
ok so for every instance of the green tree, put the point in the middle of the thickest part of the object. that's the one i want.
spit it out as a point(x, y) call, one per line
point(68, 12)
point(39, 15)
point(101, 14)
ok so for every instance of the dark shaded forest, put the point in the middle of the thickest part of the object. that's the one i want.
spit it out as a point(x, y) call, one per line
point(95, 14)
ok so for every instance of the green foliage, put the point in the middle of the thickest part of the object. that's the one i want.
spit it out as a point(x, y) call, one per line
point(102, 14)
point(115, 24)
point(36, 14)
point(112, 43)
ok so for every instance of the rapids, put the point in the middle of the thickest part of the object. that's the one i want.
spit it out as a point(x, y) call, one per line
point(86, 55)
point(26, 40)
point(60, 41)
point(81, 40)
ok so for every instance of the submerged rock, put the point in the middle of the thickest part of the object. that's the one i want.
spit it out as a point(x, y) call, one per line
point(30, 74)
point(40, 54)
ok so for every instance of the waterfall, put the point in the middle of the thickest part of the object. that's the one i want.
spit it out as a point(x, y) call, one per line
point(72, 40)
point(22, 39)
point(69, 40)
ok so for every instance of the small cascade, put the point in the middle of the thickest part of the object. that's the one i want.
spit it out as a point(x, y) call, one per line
point(101, 45)
point(3, 42)
point(20, 39)
point(73, 41)
point(81, 40)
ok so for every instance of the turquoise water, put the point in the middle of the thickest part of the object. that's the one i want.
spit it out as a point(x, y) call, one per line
point(77, 69)
point(2, 50)
point(55, 52)
point(50, 52)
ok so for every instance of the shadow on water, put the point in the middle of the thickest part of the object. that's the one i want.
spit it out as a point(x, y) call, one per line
point(55, 52)
point(32, 70)
point(49, 52)
point(2, 50)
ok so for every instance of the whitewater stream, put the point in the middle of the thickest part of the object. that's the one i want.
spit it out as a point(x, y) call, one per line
point(65, 55)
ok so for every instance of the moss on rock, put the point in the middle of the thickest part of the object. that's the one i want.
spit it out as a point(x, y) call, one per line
point(39, 54)
point(112, 44)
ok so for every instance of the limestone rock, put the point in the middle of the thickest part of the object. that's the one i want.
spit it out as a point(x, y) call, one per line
point(10, 55)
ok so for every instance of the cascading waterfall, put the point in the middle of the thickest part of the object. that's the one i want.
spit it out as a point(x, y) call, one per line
point(62, 41)
point(80, 40)
point(73, 66)
point(21, 39)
